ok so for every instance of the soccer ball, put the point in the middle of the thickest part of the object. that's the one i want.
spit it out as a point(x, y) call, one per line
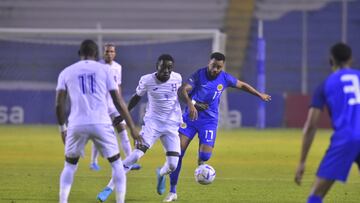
point(204, 174)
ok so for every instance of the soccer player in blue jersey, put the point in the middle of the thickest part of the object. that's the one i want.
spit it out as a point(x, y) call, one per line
point(340, 92)
point(202, 94)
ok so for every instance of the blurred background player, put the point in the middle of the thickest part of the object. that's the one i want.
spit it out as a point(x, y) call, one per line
point(87, 83)
point(340, 93)
point(202, 94)
point(162, 119)
point(125, 145)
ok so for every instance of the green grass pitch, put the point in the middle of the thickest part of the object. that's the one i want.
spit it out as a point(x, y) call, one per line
point(251, 166)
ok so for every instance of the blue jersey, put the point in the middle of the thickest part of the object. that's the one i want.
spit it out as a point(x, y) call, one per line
point(208, 91)
point(340, 92)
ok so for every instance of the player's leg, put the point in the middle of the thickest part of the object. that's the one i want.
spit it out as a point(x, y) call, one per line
point(94, 158)
point(125, 143)
point(126, 164)
point(335, 166)
point(171, 143)
point(105, 140)
point(67, 178)
point(319, 190)
point(186, 133)
point(205, 152)
point(135, 155)
point(74, 144)
point(120, 126)
point(207, 137)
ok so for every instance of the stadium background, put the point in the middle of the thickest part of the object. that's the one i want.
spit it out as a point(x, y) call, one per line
point(298, 35)
point(252, 165)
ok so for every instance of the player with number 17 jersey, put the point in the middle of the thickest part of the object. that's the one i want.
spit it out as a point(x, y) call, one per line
point(206, 91)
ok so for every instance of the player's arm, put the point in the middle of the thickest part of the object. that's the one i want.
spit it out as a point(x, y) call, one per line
point(309, 131)
point(135, 99)
point(60, 112)
point(121, 107)
point(248, 88)
point(183, 94)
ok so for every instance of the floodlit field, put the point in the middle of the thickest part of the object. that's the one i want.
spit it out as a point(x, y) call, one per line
point(251, 166)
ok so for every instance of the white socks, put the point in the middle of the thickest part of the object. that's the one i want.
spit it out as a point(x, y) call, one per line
point(133, 158)
point(170, 165)
point(125, 142)
point(119, 179)
point(128, 162)
point(94, 154)
point(66, 180)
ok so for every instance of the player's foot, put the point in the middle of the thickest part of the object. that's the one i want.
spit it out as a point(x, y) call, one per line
point(170, 197)
point(135, 167)
point(160, 182)
point(94, 167)
point(103, 195)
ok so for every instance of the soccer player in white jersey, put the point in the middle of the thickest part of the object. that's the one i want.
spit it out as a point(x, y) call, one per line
point(162, 119)
point(118, 123)
point(87, 83)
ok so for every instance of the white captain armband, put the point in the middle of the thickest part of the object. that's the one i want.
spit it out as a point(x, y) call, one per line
point(62, 128)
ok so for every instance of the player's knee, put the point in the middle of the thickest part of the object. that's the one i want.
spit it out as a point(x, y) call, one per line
point(172, 160)
point(204, 156)
point(72, 161)
point(114, 158)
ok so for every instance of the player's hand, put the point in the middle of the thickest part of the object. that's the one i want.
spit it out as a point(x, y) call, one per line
point(299, 173)
point(265, 97)
point(136, 136)
point(201, 106)
point(193, 113)
point(63, 136)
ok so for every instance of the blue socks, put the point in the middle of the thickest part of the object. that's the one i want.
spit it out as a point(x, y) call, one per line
point(174, 176)
point(314, 199)
point(204, 156)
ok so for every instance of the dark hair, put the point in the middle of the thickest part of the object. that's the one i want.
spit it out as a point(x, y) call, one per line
point(165, 57)
point(217, 56)
point(341, 53)
point(88, 48)
point(109, 45)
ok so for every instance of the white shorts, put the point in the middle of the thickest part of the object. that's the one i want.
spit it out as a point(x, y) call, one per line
point(102, 135)
point(167, 132)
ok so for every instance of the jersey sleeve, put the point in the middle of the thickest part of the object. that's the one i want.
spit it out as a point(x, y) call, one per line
point(141, 88)
point(110, 82)
point(319, 100)
point(230, 80)
point(61, 85)
point(193, 79)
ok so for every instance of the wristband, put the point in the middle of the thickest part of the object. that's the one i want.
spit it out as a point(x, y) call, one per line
point(193, 102)
point(62, 128)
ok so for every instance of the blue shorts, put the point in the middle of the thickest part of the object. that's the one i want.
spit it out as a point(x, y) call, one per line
point(206, 130)
point(338, 160)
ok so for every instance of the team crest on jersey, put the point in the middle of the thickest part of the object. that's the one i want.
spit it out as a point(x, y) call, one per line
point(183, 125)
point(220, 87)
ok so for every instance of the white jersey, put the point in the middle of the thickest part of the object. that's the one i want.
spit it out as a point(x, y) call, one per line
point(163, 100)
point(87, 83)
point(115, 69)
